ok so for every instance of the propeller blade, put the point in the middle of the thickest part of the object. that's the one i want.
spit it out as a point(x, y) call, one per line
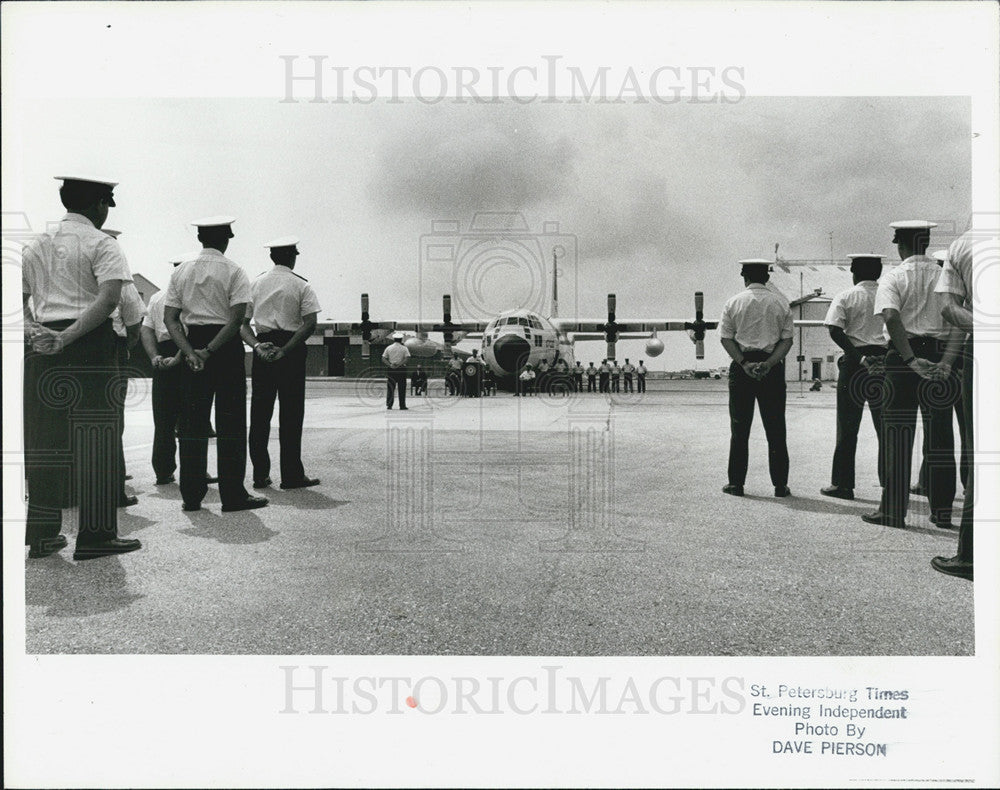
point(699, 305)
point(364, 307)
point(446, 305)
point(611, 307)
point(699, 349)
point(611, 351)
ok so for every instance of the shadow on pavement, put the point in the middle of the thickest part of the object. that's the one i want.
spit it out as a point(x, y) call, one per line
point(127, 523)
point(71, 589)
point(233, 528)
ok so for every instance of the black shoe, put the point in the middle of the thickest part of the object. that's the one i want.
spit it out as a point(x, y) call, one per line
point(952, 566)
point(46, 546)
point(941, 523)
point(403, 408)
point(164, 481)
point(305, 482)
point(837, 492)
point(262, 483)
point(128, 477)
point(105, 549)
point(917, 491)
point(250, 503)
point(211, 479)
point(191, 506)
point(128, 501)
point(733, 489)
point(882, 520)
point(782, 491)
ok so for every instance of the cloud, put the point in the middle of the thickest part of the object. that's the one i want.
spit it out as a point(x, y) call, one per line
point(448, 162)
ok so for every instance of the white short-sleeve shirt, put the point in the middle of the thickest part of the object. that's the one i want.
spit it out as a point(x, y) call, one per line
point(395, 355)
point(853, 311)
point(756, 318)
point(910, 289)
point(63, 272)
point(280, 299)
point(129, 311)
point(204, 289)
point(154, 316)
point(956, 276)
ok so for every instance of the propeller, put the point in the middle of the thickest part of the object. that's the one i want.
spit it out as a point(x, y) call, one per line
point(697, 327)
point(366, 327)
point(611, 328)
point(446, 327)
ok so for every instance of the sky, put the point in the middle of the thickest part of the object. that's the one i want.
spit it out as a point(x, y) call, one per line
point(648, 201)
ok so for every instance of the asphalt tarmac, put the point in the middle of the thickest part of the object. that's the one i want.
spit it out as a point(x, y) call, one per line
point(585, 525)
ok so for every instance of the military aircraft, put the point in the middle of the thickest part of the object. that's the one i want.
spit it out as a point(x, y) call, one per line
point(518, 337)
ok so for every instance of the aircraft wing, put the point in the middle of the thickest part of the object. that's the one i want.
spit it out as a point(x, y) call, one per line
point(638, 328)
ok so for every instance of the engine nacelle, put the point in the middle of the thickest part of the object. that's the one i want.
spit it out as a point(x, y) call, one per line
point(654, 347)
point(420, 348)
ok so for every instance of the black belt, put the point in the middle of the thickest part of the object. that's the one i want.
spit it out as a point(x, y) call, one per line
point(65, 323)
point(756, 354)
point(871, 351)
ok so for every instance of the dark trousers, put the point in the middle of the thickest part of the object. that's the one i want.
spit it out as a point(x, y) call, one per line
point(628, 382)
point(604, 379)
point(964, 455)
point(224, 378)
point(168, 395)
point(769, 395)
point(578, 382)
point(856, 387)
point(968, 445)
point(395, 379)
point(640, 383)
point(121, 383)
point(906, 392)
point(284, 379)
point(616, 383)
point(591, 383)
point(72, 436)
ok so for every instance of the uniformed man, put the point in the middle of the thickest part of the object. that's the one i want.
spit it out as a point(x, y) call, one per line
point(209, 295)
point(918, 373)
point(126, 319)
point(640, 377)
point(616, 376)
point(283, 307)
point(591, 378)
point(168, 384)
point(920, 489)
point(956, 284)
point(419, 381)
point(489, 381)
point(756, 332)
point(578, 377)
point(540, 380)
point(604, 376)
point(395, 357)
point(73, 279)
point(526, 381)
point(628, 369)
point(858, 330)
point(453, 378)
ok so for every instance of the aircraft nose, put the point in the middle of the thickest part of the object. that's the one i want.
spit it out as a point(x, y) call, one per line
point(511, 352)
